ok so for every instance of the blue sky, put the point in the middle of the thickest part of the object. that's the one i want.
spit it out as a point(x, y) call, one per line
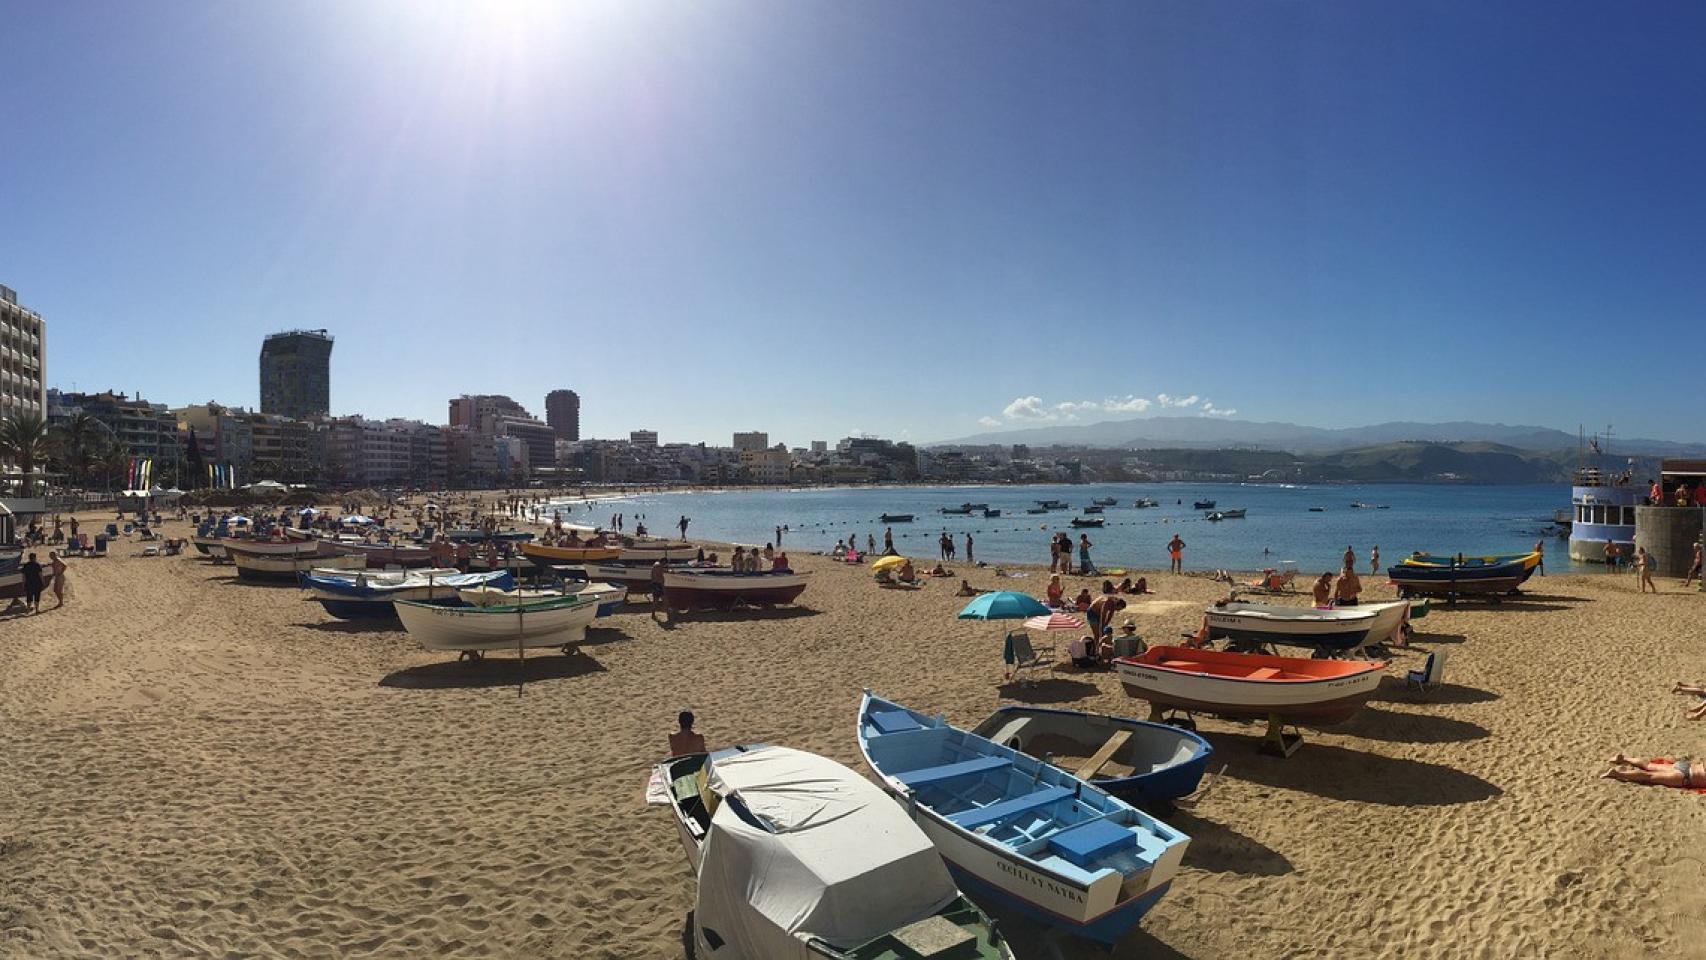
point(897, 217)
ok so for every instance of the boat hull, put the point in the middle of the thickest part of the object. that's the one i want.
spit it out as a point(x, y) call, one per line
point(1474, 578)
point(1326, 700)
point(1176, 759)
point(1326, 630)
point(285, 569)
point(723, 590)
point(552, 624)
point(545, 557)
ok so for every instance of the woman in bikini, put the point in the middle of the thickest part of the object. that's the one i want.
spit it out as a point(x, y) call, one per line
point(1681, 772)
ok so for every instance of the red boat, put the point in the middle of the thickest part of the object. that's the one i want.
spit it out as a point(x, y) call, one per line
point(725, 589)
point(1248, 685)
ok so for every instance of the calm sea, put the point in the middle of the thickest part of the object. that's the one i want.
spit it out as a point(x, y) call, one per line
point(1400, 518)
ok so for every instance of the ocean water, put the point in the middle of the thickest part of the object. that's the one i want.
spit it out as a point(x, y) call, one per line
point(1280, 526)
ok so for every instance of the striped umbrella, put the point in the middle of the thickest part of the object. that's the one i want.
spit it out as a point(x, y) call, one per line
point(1058, 622)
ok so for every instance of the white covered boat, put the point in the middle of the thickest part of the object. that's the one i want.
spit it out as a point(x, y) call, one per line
point(799, 857)
point(282, 565)
point(355, 594)
point(553, 622)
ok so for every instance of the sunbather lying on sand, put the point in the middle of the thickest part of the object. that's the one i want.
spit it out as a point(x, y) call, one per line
point(1681, 772)
point(1694, 690)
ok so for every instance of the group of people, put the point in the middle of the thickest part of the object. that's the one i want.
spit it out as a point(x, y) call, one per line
point(1095, 651)
point(37, 581)
point(751, 561)
point(946, 544)
point(1060, 554)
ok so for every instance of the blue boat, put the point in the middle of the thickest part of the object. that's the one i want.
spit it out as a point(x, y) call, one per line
point(1142, 763)
point(1472, 577)
point(361, 595)
point(1011, 827)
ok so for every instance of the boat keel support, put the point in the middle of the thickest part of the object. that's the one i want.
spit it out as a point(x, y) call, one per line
point(1277, 742)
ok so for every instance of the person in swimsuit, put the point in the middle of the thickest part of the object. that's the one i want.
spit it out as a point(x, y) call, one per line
point(1681, 772)
point(1176, 551)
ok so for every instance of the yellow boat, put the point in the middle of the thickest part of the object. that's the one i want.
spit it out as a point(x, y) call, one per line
point(1529, 560)
point(545, 556)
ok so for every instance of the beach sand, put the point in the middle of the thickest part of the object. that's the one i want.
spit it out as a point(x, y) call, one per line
point(195, 767)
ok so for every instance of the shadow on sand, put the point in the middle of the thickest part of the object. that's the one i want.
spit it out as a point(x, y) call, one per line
point(360, 625)
point(599, 636)
point(506, 671)
point(1394, 690)
point(1374, 724)
point(683, 617)
point(1218, 848)
point(1340, 774)
point(1435, 638)
point(1051, 690)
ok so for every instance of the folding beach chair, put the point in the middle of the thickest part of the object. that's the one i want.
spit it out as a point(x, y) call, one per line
point(1020, 655)
point(100, 546)
point(1432, 672)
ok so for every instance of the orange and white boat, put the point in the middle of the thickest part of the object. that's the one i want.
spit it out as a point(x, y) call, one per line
point(1247, 685)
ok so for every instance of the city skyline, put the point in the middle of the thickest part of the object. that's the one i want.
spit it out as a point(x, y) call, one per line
point(921, 222)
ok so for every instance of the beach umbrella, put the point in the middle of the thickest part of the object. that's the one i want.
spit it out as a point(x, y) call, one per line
point(1057, 622)
point(356, 519)
point(885, 563)
point(1003, 605)
point(307, 512)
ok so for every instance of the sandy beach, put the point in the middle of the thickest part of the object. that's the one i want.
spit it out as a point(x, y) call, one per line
point(196, 767)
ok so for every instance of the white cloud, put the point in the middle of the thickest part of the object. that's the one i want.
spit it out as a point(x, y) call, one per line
point(1126, 404)
point(1210, 410)
point(1167, 400)
point(989, 421)
point(1027, 408)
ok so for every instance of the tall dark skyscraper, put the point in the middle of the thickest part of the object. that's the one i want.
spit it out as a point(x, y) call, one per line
point(563, 413)
point(296, 374)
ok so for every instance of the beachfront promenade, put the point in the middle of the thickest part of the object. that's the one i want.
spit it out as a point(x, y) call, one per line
point(196, 767)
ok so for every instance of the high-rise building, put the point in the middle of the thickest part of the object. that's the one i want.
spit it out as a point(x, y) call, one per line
point(643, 438)
point(493, 415)
point(756, 440)
point(23, 359)
point(296, 374)
point(563, 413)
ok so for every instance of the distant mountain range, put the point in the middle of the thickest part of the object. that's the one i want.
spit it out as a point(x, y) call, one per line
point(1207, 432)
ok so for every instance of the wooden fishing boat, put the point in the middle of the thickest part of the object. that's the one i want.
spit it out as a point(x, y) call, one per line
point(1138, 761)
point(273, 547)
point(359, 595)
point(895, 518)
point(209, 545)
point(383, 555)
point(798, 857)
point(1062, 850)
point(1087, 521)
point(1203, 504)
point(1248, 624)
point(1104, 501)
point(1093, 509)
point(715, 589)
point(1249, 685)
point(1472, 578)
point(482, 595)
point(545, 557)
point(481, 536)
point(960, 510)
point(1145, 502)
point(272, 564)
point(555, 622)
point(1529, 560)
point(651, 551)
point(990, 514)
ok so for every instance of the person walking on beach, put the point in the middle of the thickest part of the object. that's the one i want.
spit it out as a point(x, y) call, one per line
point(1176, 554)
point(31, 569)
point(59, 567)
point(1643, 569)
point(658, 569)
point(943, 544)
point(888, 541)
point(682, 523)
point(1540, 550)
point(1374, 561)
point(1693, 571)
point(1053, 554)
point(968, 548)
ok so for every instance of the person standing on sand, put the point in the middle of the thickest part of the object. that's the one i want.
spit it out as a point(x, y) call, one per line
point(1693, 571)
point(888, 541)
point(1643, 569)
point(1350, 557)
point(1540, 548)
point(682, 523)
point(1085, 567)
point(1374, 561)
point(1053, 554)
point(870, 544)
point(942, 546)
point(58, 565)
point(968, 548)
point(31, 569)
point(778, 535)
point(1176, 553)
point(658, 568)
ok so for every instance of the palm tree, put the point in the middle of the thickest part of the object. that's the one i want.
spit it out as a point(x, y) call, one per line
point(23, 440)
point(78, 434)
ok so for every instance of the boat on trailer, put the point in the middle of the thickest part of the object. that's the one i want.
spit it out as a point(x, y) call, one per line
point(716, 589)
point(1062, 850)
point(552, 622)
point(1140, 762)
point(1472, 577)
point(1248, 624)
point(1250, 686)
point(798, 857)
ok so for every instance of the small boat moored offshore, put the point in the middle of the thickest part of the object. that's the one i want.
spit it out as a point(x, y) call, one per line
point(1146, 502)
point(797, 857)
point(1138, 761)
point(990, 514)
point(1062, 850)
point(895, 518)
point(1087, 521)
point(1203, 504)
point(1104, 501)
point(1093, 508)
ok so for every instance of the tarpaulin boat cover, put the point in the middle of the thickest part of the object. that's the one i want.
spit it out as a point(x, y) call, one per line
point(824, 853)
